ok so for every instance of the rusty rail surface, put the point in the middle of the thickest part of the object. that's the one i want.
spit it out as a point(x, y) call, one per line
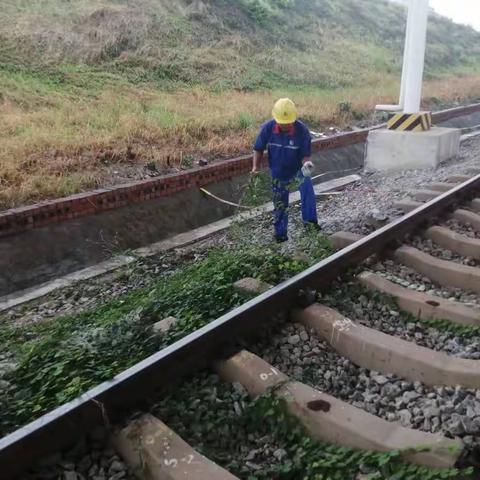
point(89, 203)
point(108, 401)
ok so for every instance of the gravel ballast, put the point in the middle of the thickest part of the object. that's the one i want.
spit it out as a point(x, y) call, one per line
point(378, 313)
point(406, 277)
point(92, 458)
point(213, 416)
point(363, 208)
point(428, 246)
point(462, 228)
point(455, 411)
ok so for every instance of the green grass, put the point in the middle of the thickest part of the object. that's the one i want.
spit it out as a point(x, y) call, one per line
point(165, 80)
point(60, 360)
point(314, 460)
point(245, 44)
point(226, 437)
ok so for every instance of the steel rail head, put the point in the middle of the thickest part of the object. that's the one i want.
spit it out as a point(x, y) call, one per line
point(449, 114)
point(64, 425)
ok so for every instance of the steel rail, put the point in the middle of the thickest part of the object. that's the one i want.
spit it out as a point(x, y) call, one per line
point(61, 427)
point(451, 113)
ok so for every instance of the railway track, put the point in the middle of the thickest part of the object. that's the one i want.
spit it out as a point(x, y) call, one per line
point(328, 343)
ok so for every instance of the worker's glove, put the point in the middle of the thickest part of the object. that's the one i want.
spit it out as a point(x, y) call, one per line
point(308, 169)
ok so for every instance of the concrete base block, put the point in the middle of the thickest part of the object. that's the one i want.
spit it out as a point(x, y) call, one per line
point(389, 150)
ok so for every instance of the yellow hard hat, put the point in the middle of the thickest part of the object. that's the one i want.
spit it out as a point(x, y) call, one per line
point(284, 111)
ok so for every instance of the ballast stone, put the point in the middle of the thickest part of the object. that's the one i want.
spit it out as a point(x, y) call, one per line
point(251, 286)
point(390, 150)
point(163, 326)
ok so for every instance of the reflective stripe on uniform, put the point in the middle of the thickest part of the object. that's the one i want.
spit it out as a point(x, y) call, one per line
point(291, 147)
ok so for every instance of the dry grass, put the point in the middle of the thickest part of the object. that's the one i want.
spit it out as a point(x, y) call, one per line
point(93, 90)
point(66, 143)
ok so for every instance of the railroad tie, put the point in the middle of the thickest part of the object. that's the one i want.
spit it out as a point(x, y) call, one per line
point(458, 178)
point(420, 304)
point(331, 420)
point(407, 205)
point(440, 186)
point(424, 195)
point(445, 237)
point(456, 242)
point(152, 450)
point(341, 240)
point(163, 326)
point(442, 272)
point(475, 205)
point(465, 216)
point(369, 348)
point(250, 286)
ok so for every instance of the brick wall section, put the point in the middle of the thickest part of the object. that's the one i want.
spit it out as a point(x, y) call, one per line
point(19, 219)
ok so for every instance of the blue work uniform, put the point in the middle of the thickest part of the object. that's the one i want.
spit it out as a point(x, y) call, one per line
point(286, 150)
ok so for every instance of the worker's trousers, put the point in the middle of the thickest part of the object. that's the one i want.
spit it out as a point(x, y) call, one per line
point(281, 192)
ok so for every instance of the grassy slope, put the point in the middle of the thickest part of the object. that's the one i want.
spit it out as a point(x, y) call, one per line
point(93, 90)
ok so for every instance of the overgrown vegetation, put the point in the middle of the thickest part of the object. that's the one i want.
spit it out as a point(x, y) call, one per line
point(60, 360)
point(92, 91)
point(236, 428)
point(314, 460)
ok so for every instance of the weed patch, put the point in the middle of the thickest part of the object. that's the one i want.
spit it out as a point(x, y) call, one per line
point(60, 360)
point(313, 460)
point(259, 440)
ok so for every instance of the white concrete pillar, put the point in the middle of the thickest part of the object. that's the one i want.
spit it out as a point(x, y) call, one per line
point(416, 43)
point(405, 55)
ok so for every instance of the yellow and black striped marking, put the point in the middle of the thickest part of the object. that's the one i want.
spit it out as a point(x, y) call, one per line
point(416, 122)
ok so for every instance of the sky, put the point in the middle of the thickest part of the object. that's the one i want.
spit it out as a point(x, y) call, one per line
point(461, 11)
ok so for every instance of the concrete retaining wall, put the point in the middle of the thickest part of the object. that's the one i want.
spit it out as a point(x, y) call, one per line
point(35, 256)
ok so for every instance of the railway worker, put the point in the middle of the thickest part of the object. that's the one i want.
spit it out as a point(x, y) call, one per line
point(288, 143)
